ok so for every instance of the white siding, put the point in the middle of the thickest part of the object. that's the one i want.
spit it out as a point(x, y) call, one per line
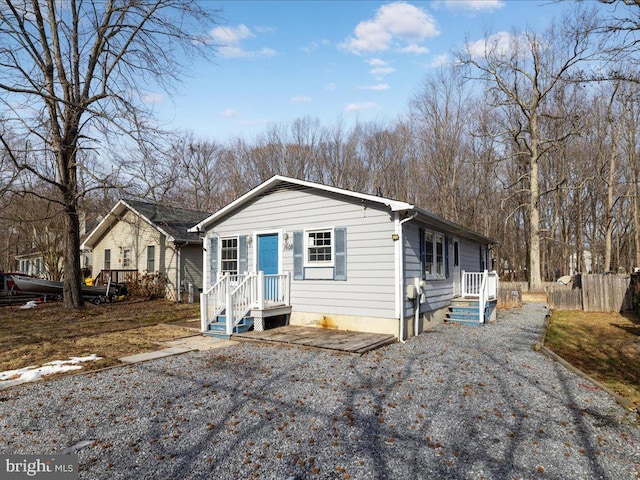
point(136, 234)
point(369, 288)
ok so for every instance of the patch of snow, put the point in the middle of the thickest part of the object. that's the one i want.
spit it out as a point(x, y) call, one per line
point(32, 373)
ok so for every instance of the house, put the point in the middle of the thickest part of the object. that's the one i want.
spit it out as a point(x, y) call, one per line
point(139, 237)
point(45, 257)
point(335, 258)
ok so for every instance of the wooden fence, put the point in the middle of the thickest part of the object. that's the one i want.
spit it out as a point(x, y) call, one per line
point(510, 294)
point(593, 293)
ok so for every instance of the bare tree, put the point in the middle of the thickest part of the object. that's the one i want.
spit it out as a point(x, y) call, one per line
point(73, 74)
point(523, 71)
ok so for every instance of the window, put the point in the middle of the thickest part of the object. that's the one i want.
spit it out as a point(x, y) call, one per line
point(107, 259)
point(434, 255)
point(428, 249)
point(229, 255)
point(126, 257)
point(319, 247)
point(151, 259)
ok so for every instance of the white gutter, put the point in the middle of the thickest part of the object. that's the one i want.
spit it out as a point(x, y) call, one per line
point(399, 267)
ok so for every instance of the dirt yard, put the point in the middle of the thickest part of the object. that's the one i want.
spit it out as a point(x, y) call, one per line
point(49, 332)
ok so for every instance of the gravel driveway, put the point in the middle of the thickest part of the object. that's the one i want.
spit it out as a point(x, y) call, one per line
point(458, 402)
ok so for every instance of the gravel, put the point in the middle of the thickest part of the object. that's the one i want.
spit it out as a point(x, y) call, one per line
point(457, 402)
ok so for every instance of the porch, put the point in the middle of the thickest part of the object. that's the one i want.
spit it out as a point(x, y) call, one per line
point(354, 343)
point(477, 301)
point(238, 302)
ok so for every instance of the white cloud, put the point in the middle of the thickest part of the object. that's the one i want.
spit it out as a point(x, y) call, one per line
point(414, 48)
point(230, 35)
point(230, 40)
point(358, 107)
point(475, 5)
point(440, 60)
point(376, 62)
point(378, 87)
point(300, 99)
point(265, 29)
point(330, 87)
point(153, 98)
point(500, 44)
point(229, 113)
point(310, 48)
point(382, 70)
point(394, 24)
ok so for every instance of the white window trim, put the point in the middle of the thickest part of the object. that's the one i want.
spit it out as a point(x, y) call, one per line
point(305, 244)
point(124, 257)
point(254, 246)
point(220, 260)
point(436, 276)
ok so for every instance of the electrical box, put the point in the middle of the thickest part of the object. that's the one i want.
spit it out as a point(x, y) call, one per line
point(412, 292)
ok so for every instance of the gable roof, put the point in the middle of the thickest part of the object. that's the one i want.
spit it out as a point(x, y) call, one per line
point(279, 181)
point(172, 222)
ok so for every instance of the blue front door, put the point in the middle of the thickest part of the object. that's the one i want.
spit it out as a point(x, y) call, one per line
point(268, 253)
point(268, 263)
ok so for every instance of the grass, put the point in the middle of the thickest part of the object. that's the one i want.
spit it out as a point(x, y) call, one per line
point(606, 346)
point(49, 332)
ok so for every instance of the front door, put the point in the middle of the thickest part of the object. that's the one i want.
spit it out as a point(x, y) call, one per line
point(268, 263)
point(457, 291)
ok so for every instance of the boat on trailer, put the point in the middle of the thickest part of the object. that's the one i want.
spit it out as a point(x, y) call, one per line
point(51, 287)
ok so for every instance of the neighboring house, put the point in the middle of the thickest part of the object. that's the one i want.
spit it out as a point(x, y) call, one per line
point(149, 238)
point(31, 263)
point(334, 258)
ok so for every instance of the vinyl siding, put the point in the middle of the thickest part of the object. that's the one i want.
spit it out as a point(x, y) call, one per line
point(129, 232)
point(369, 287)
point(469, 256)
point(136, 234)
point(438, 292)
point(191, 256)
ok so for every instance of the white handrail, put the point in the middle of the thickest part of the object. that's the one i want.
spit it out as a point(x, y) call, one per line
point(237, 295)
point(212, 302)
point(483, 285)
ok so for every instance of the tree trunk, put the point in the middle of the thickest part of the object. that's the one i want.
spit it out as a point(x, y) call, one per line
point(72, 272)
point(535, 279)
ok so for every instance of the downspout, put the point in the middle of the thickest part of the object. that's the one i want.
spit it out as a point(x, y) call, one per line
point(178, 296)
point(400, 270)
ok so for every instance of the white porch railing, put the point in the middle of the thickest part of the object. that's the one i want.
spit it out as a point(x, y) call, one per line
point(481, 285)
point(237, 295)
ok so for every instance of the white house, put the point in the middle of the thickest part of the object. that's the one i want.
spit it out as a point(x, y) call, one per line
point(335, 258)
point(147, 238)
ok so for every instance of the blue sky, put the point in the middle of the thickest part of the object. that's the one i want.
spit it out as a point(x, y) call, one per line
point(363, 60)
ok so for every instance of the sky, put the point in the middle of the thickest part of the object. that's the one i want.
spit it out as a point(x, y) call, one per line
point(329, 60)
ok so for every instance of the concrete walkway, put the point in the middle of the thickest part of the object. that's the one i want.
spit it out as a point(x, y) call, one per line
point(179, 346)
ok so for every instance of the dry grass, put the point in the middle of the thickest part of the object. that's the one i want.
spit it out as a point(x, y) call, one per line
point(603, 345)
point(48, 332)
point(534, 297)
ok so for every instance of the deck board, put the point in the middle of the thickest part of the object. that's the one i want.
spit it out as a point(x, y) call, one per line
point(320, 338)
